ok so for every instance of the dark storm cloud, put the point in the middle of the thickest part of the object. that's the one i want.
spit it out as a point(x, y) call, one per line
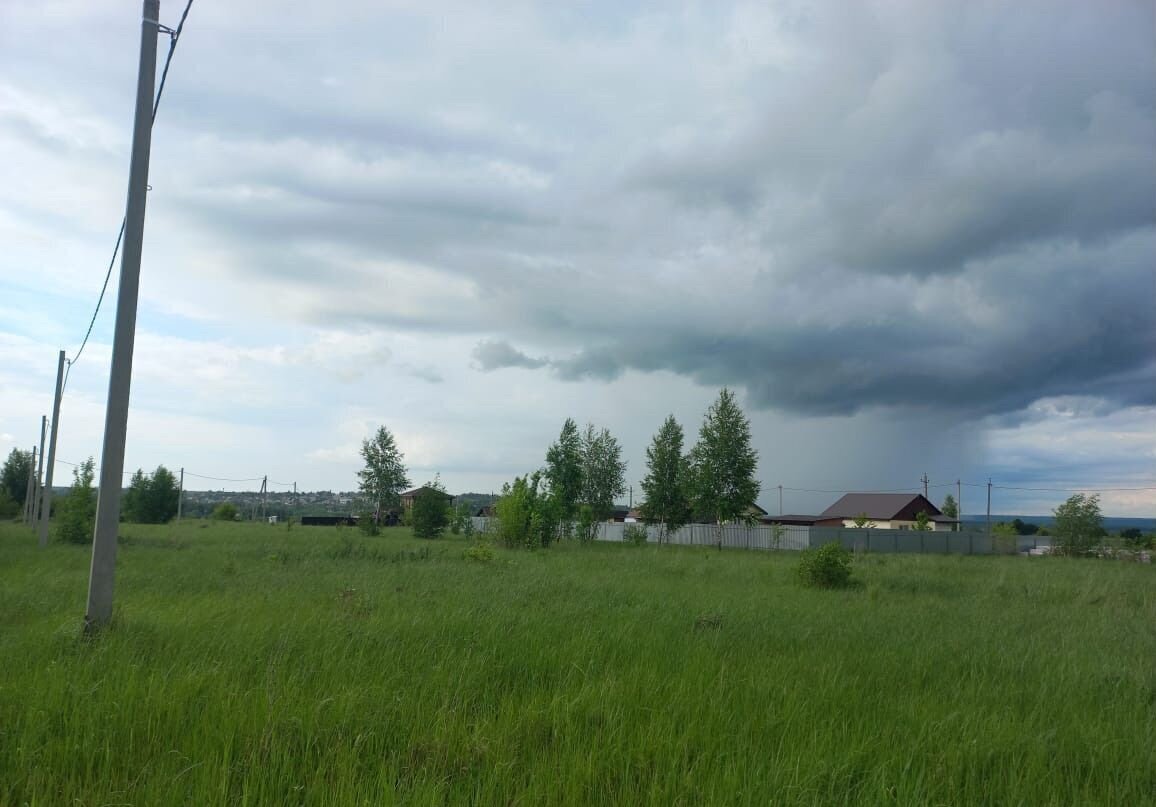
point(923, 207)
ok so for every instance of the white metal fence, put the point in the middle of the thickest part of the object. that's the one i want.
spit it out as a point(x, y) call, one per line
point(768, 537)
point(734, 536)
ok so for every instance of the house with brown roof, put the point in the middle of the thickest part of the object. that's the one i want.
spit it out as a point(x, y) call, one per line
point(408, 497)
point(884, 511)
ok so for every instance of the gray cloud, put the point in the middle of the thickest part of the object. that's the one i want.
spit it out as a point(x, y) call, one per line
point(491, 355)
point(936, 207)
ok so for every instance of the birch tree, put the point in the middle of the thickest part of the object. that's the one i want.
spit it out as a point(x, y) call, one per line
point(724, 464)
point(665, 487)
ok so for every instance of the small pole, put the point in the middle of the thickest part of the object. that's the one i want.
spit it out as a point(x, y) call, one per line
point(102, 574)
point(181, 494)
point(989, 509)
point(46, 496)
point(959, 506)
point(39, 471)
point(924, 480)
point(780, 500)
point(264, 492)
point(30, 488)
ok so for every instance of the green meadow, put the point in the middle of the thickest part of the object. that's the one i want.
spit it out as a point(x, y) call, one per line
point(248, 664)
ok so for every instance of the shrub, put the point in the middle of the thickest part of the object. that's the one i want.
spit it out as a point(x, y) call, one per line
point(635, 534)
point(527, 517)
point(225, 511)
point(829, 566)
point(430, 513)
point(587, 525)
point(460, 519)
point(76, 514)
point(1079, 527)
point(9, 507)
point(367, 523)
point(480, 552)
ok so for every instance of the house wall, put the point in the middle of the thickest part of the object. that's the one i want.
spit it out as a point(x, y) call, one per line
point(894, 524)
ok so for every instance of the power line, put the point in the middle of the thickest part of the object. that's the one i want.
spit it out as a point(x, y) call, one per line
point(818, 490)
point(222, 478)
point(1073, 490)
point(174, 35)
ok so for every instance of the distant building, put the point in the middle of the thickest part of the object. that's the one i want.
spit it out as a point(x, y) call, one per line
point(408, 497)
point(790, 520)
point(884, 511)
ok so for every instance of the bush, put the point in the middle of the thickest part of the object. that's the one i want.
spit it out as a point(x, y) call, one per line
point(367, 523)
point(481, 552)
point(76, 514)
point(527, 517)
point(829, 566)
point(587, 527)
point(430, 513)
point(460, 519)
point(1079, 527)
point(9, 507)
point(225, 511)
point(635, 534)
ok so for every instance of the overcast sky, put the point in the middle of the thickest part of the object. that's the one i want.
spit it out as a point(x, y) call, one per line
point(915, 237)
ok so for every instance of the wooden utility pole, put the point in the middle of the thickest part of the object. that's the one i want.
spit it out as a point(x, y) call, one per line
point(46, 496)
point(103, 571)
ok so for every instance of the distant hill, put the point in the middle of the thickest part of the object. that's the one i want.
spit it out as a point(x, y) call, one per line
point(1111, 523)
point(475, 500)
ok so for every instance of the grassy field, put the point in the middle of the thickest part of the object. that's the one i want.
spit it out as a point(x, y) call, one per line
point(250, 665)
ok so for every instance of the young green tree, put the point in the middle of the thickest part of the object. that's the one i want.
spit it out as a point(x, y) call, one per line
point(151, 499)
point(225, 511)
point(724, 463)
point(527, 516)
point(667, 481)
point(431, 510)
point(950, 506)
point(1079, 525)
point(384, 476)
point(603, 471)
point(564, 472)
point(922, 521)
point(862, 522)
point(14, 475)
point(76, 513)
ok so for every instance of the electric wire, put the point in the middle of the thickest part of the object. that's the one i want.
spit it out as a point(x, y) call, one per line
point(174, 35)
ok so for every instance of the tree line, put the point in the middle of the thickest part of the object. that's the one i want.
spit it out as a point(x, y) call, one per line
point(584, 472)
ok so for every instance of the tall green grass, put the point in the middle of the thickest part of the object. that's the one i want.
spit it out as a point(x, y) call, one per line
point(251, 665)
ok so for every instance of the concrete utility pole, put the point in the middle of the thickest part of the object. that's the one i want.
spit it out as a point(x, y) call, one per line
point(925, 480)
point(780, 500)
point(264, 497)
point(39, 472)
point(181, 494)
point(30, 488)
point(103, 571)
point(959, 505)
point(989, 508)
point(46, 497)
